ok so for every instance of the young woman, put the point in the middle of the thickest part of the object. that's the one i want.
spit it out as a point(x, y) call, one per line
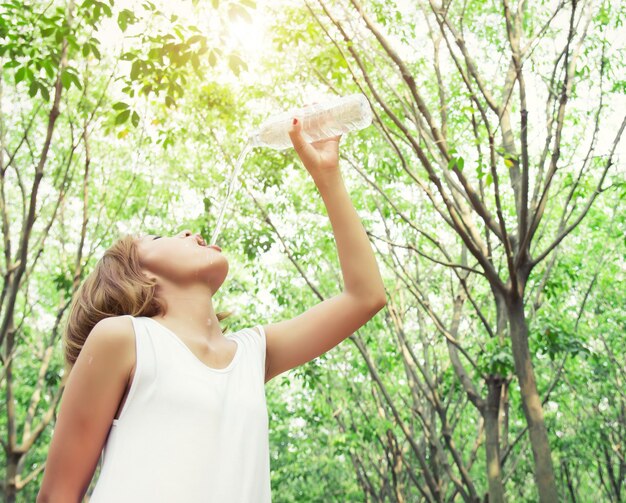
point(176, 408)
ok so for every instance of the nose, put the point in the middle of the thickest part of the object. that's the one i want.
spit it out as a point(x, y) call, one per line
point(185, 233)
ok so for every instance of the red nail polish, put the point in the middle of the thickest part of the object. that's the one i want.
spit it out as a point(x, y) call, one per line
point(295, 121)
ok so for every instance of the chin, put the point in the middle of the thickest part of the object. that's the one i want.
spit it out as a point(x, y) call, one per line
point(218, 279)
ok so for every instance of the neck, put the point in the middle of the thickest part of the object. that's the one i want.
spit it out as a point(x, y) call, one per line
point(190, 308)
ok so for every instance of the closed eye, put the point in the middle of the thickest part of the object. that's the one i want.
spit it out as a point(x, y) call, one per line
point(157, 237)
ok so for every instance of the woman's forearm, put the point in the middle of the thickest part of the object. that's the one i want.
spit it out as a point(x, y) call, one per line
point(359, 268)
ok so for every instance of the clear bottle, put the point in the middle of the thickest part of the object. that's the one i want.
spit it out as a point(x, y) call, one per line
point(321, 120)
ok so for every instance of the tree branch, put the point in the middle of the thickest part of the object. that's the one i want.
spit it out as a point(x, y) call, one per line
point(590, 201)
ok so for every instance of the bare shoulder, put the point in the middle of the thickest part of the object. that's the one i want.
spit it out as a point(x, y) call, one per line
point(115, 332)
point(111, 340)
point(110, 343)
point(120, 325)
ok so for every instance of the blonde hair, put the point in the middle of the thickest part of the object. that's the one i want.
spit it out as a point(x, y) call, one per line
point(117, 286)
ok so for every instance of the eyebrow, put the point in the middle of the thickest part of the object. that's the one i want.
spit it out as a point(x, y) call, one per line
point(157, 237)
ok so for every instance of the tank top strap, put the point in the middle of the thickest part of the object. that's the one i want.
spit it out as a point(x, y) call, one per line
point(145, 346)
point(145, 362)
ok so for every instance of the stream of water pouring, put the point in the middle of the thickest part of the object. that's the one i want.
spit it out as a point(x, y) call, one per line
point(322, 120)
point(233, 180)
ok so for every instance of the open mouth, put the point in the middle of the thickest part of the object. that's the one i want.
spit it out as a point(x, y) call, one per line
point(201, 242)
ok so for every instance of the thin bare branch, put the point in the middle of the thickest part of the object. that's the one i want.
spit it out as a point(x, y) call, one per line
point(590, 201)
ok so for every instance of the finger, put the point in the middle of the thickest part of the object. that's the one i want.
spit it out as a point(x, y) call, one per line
point(304, 149)
point(315, 121)
point(330, 139)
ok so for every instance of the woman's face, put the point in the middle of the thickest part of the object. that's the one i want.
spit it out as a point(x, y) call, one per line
point(182, 259)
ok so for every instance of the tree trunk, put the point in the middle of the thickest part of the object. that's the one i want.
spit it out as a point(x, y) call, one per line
point(492, 440)
point(10, 491)
point(12, 457)
point(531, 403)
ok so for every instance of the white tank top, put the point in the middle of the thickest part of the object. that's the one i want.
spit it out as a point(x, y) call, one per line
point(189, 433)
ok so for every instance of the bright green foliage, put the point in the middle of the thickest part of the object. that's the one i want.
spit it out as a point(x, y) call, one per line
point(145, 142)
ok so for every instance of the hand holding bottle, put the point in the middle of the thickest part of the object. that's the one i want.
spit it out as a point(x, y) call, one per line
point(319, 121)
point(320, 158)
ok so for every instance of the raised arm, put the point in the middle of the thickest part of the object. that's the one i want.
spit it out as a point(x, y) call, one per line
point(296, 341)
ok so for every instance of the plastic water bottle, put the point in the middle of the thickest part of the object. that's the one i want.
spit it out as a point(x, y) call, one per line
point(319, 121)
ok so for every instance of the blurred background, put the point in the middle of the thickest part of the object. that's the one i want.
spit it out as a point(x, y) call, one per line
point(491, 185)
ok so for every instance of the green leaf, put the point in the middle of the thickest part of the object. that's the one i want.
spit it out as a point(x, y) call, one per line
point(45, 94)
point(135, 69)
point(122, 20)
point(195, 61)
point(236, 12)
point(135, 118)
point(66, 79)
point(20, 74)
point(184, 58)
point(456, 162)
point(196, 38)
point(32, 90)
point(235, 63)
point(489, 179)
point(48, 66)
point(120, 105)
point(74, 78)
point(122, 117)
point(95, 51)
point(480, 170)
point(212, 58)
point(215, 3)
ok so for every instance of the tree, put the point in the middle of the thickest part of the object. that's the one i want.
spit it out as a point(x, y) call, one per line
point(509, 198)
point(55, 110)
